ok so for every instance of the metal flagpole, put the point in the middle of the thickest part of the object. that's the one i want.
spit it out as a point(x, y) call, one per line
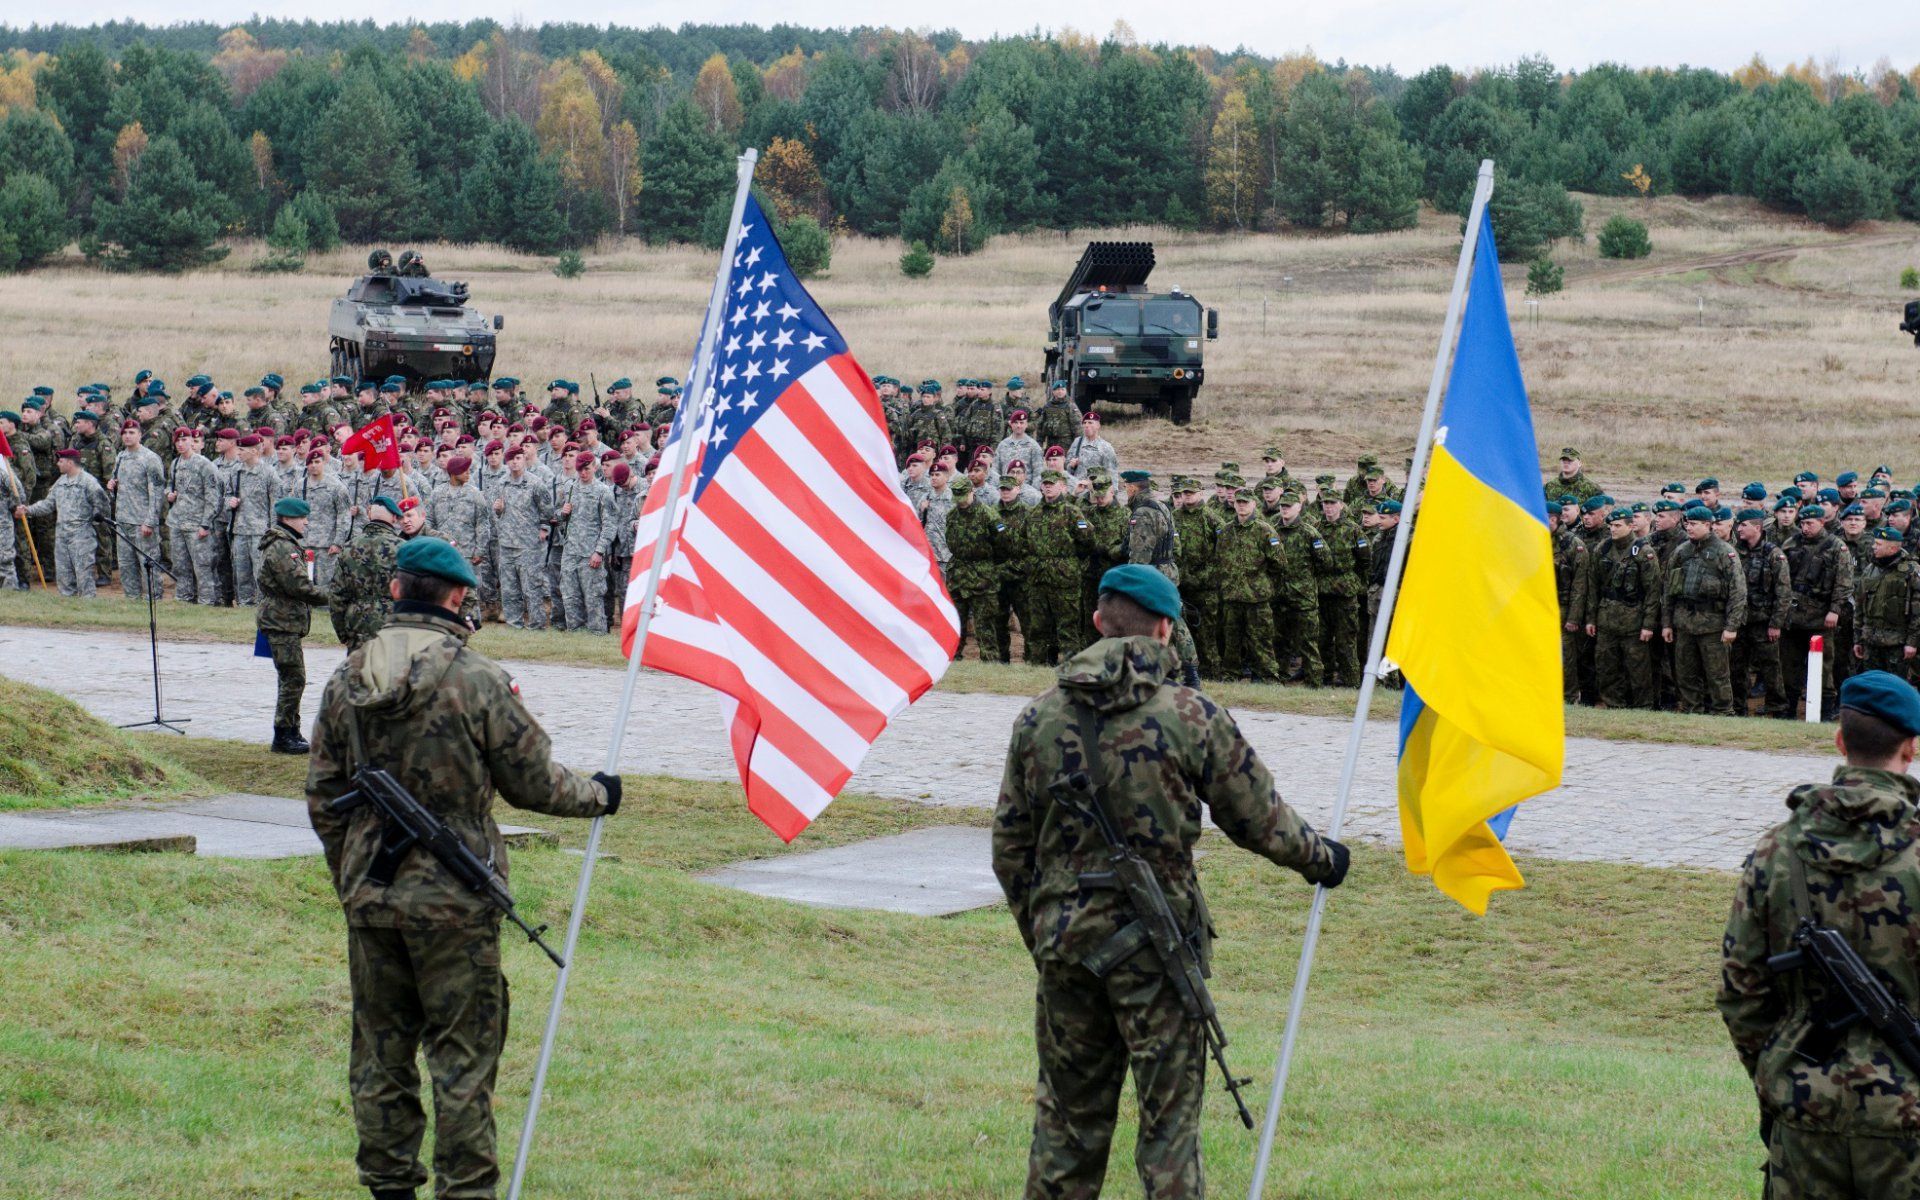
point(1376, 650)
point(697, 385)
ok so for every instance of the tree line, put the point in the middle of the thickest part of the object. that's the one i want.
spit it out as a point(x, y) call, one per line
point(151, 145)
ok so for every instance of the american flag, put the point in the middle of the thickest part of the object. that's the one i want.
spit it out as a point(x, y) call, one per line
point(798, 581)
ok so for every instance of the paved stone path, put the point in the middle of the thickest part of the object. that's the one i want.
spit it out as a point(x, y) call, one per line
point(236, 826)
point(1622, 802)
point(927, 873)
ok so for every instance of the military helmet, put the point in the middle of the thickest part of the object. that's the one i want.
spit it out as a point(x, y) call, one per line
point(380, 260)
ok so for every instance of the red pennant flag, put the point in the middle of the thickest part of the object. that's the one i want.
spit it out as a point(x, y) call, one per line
point(6, 447)
point(376, 444)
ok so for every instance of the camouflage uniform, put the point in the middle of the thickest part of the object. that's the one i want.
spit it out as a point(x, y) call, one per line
point(1579, 487)
point(1847, 1124)
point(327, 523)
point(1197, 531)
point(1887, 613)
point(190, 521)
point(973, 577)
point(1010, 560)
point(1058, 539)
point(1152, 541)
point(1246, 554)
point(424, 953)
point(76, 501)
point(360, 600)
point(1339, 590)
point(1821, 572)
point(929, 423)
point(287, 598)
point(1570, 580)
point(1107, 527)
point(139, 500)
point(526, 507)
point(1296, 599)
point(589, 532)
point(986, 423)
point(1184, 759)
point(1706, 599)
point(1056, 423)
point(1020, 446)
point(1755, 652)
point(1623, 598)
point(257, 489)
point(464, 517)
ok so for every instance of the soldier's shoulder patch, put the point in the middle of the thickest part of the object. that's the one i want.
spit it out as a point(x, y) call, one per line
point(1080, 524)
point(1273, 541)
point(1634, 550)
point(1318, 544)
point(1360, 542)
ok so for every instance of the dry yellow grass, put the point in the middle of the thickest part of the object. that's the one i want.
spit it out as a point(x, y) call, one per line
point(1749, 345)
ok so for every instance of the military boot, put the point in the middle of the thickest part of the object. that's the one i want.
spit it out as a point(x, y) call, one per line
point(392, 1194)
point(287, 740)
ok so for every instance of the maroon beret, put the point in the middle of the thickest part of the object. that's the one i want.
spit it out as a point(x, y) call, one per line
point(227, 434)
point(459, 464)
point(583, 460)
point(621, 473)
point(314, 456)
point(1018, 414)
point(129, 423)
point(252, 439)
point(72, 454)
point(495, 444)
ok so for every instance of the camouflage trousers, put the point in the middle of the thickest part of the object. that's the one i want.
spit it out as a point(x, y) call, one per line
point(556, 578)
point(324, 567)
point(1623, 670)
point(74, 548)
point(1892, 659)
point(1053, 604)
point(46, 537)
point(1754, 657)
point(136, 578)
point(1700, 670)
point(9, 546)
point(195, 573)
point(290, 664)
point(1570, 644)
point(583, 594)
point(1247, 629)
point(1793, 668)
point(1183, 646)
point(1088, 1031)
point(1339, 621)
point(1201, 609)
point(441, 990)
point(1296, 631)
point(523, 587)
point(245, 549)
point(1802, 1165)
point(1009, 600)
point(972, 609)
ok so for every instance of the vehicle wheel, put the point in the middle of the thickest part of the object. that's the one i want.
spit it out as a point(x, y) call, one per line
point(339, 361)
point(1183, 408)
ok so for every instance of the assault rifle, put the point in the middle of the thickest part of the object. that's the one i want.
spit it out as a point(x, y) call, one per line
point(1156, 925)
point(406, 823)
point(1853, 993)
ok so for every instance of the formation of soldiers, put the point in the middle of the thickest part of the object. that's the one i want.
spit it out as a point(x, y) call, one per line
point(1710, 603)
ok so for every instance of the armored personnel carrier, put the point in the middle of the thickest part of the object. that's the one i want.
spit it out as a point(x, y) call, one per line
point(1113, 339)
point(398, 320)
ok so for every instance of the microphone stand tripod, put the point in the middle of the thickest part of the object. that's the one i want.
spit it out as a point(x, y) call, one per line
point(153, 632)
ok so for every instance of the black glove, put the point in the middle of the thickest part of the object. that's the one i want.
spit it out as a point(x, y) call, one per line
point(1341, 860)
point(612, 784)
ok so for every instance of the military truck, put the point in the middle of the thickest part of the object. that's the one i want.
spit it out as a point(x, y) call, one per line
point(1113, 339)
point(402, 321)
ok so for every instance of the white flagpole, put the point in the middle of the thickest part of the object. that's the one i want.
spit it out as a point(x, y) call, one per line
point(698, 388)
point(1462, 275)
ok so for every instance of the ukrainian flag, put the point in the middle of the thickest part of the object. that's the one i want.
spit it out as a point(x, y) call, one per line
point(1476, 628)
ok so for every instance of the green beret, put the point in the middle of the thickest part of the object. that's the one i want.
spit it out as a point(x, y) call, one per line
point(431, 556)
point(1889, 535)
point(1153, 591)
point(1620, 514)
point(506, 381)
point(930, 385)
point(1708, 482)
point(1813, 512)
point(1640, 506)
point(618, 384)
point(1873, 493)
point(1015, 384)
point(33, 402)
point(1749, 514)
point(386, 502)
point(1387, 508)
point(1661, 506)
point(1593, 503)
point(44, 391)
point(1901, 505)
point(86, 415)
point(7, 414)
point(1697, 512)
point(1569, 500)
point(291, 506)
point(1135, 476)
point(1806, 477)
point(670, 381)
point(1884, 696)
point(1846, 477)
point(306, 389)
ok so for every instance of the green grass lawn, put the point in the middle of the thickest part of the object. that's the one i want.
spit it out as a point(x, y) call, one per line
point(197, 623)
point(54, 754)
point(178, 1026)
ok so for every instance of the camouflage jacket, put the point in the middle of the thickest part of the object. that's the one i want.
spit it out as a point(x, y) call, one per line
point(328, 522)
point(465, 515)
point(589, 527)
point(1197, 531)
point(1821, 571)
point(1769, 587)
point(448, 725)
point(1056, 423)
point(1623, 587)
point(526, 506)
point(934, 510)
point(1245, 556)
point(1020, 446)
point(985, 423)
point(1887, 602)
point(1706, 589)
point(360, 601)
point(196, 494)
point(971, 533)
point(1570, 576)
point(1854, 840)
point(627, 502)
point(1343, 540)
point(140, 490)
point(1107, 547)
point(257, 488)
point(1169, 758)
point(1302, 562)
point(97, 456)
point(287, 596)
point(1058, 538)
point(929, 423)
point(1087, 454)
point(1579, 487)
point(1152, 539)
point(76, 500)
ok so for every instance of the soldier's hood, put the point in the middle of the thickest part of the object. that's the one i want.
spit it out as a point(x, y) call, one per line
point(394, 673)
point(1857, 822)
point(1116, 674)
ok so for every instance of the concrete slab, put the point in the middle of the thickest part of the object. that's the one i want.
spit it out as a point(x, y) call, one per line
point(233, 826)
point(929, 873)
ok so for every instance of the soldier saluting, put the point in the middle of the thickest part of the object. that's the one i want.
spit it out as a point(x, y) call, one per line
point(1839, 1109)
point(1155, 758)
point(423, 952)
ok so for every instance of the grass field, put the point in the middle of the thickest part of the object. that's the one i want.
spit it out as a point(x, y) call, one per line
point(1749, 345)
point(178, 1027)
point(198, 623)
